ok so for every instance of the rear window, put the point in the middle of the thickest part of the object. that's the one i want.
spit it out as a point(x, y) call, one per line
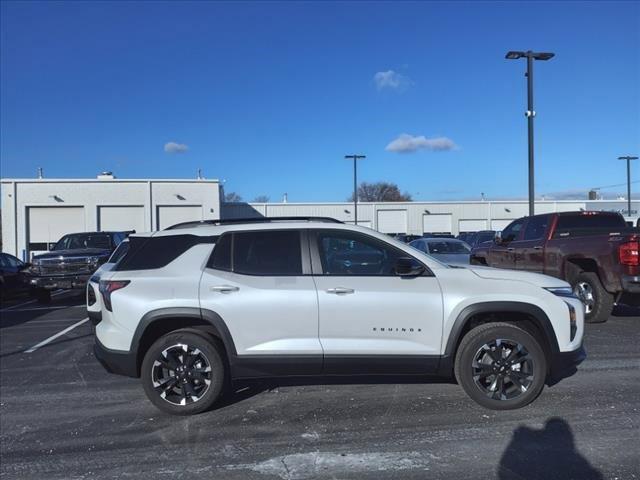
point(448, 247)
point(266, 253)
point(147, 253)
point(590, 220)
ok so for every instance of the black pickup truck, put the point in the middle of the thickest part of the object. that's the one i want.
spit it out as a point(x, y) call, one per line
point(71, 261)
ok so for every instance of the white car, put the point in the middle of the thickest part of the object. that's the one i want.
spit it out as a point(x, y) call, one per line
point(192, 307)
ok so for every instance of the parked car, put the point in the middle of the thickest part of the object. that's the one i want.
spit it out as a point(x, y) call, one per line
point(594, 251)
point(190, 309)
point(447, 250)
point(464, 236)
point(480, 237)
point(71, 261)
point(14, 276)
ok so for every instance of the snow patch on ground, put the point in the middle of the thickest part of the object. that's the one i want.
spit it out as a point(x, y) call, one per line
point(302, 466)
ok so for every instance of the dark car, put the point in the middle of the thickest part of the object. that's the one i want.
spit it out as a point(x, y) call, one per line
point(480, 237)
point(14, 276)
point(71, 261)
point(596, 252)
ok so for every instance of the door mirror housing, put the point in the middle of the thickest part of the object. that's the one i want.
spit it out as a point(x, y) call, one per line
point(408, 267)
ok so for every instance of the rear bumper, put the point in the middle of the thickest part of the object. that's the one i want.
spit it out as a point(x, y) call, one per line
point(94, 317)
point(60, 281)
point(565, 364)
point(116, 361)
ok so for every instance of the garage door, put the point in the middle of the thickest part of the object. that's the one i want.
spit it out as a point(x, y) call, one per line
point(438, 223)
point(121, 218)
point(170, 215)
point(392, 221)
point(48, 224)
point(499, 225)
point(472, 225)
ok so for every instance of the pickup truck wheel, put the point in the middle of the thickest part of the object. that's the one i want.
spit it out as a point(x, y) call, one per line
point(501, 366)
point(43, 296)
point(183, 373)
point(598, 303)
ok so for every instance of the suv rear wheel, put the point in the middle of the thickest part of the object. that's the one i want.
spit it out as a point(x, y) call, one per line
point(183, 373)
point(598, 303)
point(501, 366)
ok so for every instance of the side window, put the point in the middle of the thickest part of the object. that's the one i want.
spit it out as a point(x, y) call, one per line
point(512, 231)
point(221, 257)
point(536, 227)
point(346, 253)
point(267, 252)
point(4, 261)
point(148, 253)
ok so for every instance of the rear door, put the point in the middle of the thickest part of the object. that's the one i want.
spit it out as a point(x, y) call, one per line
point(260, 284)
point(371, 320)
point(529, 251)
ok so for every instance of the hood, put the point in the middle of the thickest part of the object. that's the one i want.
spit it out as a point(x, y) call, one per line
point(80, 252)
point(537, 279)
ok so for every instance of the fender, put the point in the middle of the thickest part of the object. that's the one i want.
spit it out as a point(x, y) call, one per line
point(539, 316)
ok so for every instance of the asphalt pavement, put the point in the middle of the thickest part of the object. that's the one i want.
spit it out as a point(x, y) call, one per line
point(63, 417)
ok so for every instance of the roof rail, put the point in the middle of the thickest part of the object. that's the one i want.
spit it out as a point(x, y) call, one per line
point(236, 221)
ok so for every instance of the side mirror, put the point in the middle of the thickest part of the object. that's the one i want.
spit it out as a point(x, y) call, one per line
point(497, 239)
point(408, 267)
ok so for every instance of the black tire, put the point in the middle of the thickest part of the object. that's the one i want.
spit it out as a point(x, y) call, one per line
point(185, 382)
point(43, 296)
point(475, 354)
point(598, 302)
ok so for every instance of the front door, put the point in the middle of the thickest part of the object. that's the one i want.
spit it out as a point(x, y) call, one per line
point(371, 319)
point(503, 255)
point(529, 252)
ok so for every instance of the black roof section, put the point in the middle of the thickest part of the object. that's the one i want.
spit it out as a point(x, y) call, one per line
point(240, 221)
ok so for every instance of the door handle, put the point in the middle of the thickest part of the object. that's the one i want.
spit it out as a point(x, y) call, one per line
point(340, 290)
point(537, 248)
point(224, 288)
point(510, 249)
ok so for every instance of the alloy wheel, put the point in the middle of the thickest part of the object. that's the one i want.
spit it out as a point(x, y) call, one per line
point(181, 374)
point(503, 369)
point(584, 292)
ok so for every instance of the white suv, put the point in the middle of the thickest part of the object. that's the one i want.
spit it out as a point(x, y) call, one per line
point(197, 306)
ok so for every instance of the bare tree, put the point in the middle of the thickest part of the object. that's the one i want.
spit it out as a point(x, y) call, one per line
point(232, 197)
point(261, 199)
point(381, 192)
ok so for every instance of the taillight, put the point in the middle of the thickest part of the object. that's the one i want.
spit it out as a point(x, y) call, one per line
point(107, 287)
point(629, 253)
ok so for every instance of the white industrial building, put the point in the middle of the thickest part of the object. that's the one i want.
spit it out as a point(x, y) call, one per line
point(37, 212)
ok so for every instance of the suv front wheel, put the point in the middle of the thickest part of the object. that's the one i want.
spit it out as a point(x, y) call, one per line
point(183, 373)
point(501, 366)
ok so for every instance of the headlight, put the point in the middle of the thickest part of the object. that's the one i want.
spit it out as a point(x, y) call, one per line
point(562, 291)
point(92, 259)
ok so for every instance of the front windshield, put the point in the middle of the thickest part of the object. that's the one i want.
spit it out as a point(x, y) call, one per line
point(448, 247)
point(83, 240)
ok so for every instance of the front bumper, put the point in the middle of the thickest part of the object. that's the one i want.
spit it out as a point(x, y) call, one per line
point(116, 361)
point(565, 364)
point(60, 281)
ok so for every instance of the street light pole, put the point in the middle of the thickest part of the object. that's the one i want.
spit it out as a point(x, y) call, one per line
point(530, 113)
point(628, 158)
point(355, 184)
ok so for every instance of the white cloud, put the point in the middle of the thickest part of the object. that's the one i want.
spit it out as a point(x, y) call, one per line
point(406, 143)
point(173, 147)
point(390, 79)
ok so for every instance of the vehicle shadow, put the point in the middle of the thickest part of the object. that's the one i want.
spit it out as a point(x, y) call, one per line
point(545, 454)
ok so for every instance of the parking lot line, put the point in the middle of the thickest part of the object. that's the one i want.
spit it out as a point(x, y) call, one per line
point(55, 294)
point(53, 337)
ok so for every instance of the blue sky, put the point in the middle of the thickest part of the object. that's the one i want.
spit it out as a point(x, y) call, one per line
point(271, 96)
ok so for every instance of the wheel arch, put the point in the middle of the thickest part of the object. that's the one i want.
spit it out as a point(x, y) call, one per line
point(156, 323)
point(527, 314)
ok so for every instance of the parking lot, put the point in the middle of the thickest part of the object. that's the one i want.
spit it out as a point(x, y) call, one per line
point(63, 416)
